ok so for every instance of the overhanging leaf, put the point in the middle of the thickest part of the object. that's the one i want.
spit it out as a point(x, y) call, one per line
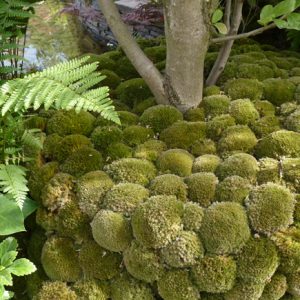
point(266, 15)
point(284, 8)
point(217, 16)
point(293, 21)
point(281, 23)
point(29, 207)
point(221, 27)
point(22, 267)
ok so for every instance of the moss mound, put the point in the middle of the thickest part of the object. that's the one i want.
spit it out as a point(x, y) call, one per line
point(243, 111)
point(103, 136)
point(265, 125)
point(91, 290)
point(135, 135)
point(275, 288)
point(117, 151)
point(150, 150)
point(218, 125)
point(205, 146)
point(206, 163)
point(215, 105)
point(245, 290)
point(192, 216)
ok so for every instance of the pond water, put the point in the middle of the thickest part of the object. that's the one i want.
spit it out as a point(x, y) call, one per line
point(53, 37)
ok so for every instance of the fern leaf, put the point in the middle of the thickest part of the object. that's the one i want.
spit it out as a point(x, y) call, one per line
point(31, 139)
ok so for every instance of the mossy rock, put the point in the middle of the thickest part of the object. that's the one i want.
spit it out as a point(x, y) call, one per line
point(224, 228)
point(160, 117)
point(264, 107)
point(177, 285)
point(245, 290)
point(104, 136)
point(211, 90)
point(254, 71)
point(153, 231)
point(265, 125)
point(202, 188)
point(202, 147)
point(243, 111)
point(206, 163)
point(270, 208)
point(176, 161)
point(35, 245)
point(150, 150)
point(292, 122)
point(192, 216)
point(111, 230)
point(125, 69)
point(183, 134)
point(217, 125)
point(50, 146)
point(112, 80)
point(293, 281)
point(169, 184)
point(124, 198)
point(291, 173)
point(156, 53)
point(132, 170)
point(287, 108)
point(275, 288)
point(70, 122)
point(135, 135)
point(194, 114)
point(140, 107)
point(215, 274)
point(279, 143)
point(60, 259)
point(103, 61)
point(117, 151)
point(215, 105)
point(128, 118)
point(295, 71)
point(91, 290)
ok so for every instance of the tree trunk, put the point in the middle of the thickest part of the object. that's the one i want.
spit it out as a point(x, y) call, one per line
point(187, 37)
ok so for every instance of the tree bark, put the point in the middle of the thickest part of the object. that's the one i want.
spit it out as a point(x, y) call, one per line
point(140, 61)
point(187, 37)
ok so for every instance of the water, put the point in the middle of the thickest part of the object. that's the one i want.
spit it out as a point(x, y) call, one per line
point(53, 37)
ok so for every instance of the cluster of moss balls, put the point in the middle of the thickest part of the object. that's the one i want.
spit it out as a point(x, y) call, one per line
point(168, 205)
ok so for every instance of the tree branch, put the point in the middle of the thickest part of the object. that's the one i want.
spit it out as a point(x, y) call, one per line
point(227, 14)
point(140, 61)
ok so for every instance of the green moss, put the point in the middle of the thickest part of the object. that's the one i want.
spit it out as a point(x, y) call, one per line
point(140, 107)
point(177, 285)
point(161, 65)
point(126, 287)
point(35, 122)
point(218, 124)
point(55, 290)
point(241, 58)
point(192, 216)
point(111, 230)
point(125, 69)
point(34, 283)
point(184, 251)
point(297, 209)
point(82, 161)
point(293, 281)
point(133, 91)
point(237, 138)
point(210, 58)
point(150, 150)
point(292, 122)
point(169, 184)
point(128, 118)
point(117, 151)
point(156, 222)
point(97, 262)
point(278, 91)
point(215, 105)
point(104, 136)
point(112, 80)
point(243, 111)
point(156, 53)
point(243, 88)
point(254, 71)
point(142, 263)
point(160, 117)
point(224, 228)
point(233, 189)
point(291, 173)
point(152, 42)
point(60, 259)
point(279, 143)
point(46, 219)
point(282, 62)
point(90, 290)
point(287, 108)
point(270, 208)
point(131, 170)
point(275, 288)
point(125, 197)
point(35, 245)
point(104, 61)
point(229, 72)
point(245, 290)
point(211, 296)
point(91, 189)
point(70, 122)
point(264, 107)
point(202, 147)
point(50, 146)
point(135, 135)
point(183, 134)
point(201, 188)
point(295, 71)
point(206, 163)
point(266, 125)
point(175, 161)
point(215, 274)
point(195, 114)
point(211, 90)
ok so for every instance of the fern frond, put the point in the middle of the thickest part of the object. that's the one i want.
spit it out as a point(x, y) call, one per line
point(13, 182)
point(31, 139)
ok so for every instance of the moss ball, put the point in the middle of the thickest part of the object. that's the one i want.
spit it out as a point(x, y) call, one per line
point(215, 274)
point(202, 187)
point(91, 189)
point(175, 161)
point(117, 151)
point(240, 164)
point(160, 117)
point(264, 107)
point(183, 134)
point(192, 216)
point(291, 173)
point(90, 290)
point(142, 263)
point(293, 281)
point(215, 105)
point(237, 138)
point(46, 219)
point(104, 136)
point(70, 122)
point(243, 111)
point(275, 288)
point(60, 259)
point(287, 108)
point(279, 143)
point(156, 53)
point(202, 147)
point(35, 122)
point(156, 222)
point(125, 197)
point(254, 71)
point(245, 290)
point(140, 107)
point(206, 163)
point(50, 147)
point(132, 91)
point(266, 125)
point(128, 118)
point(270, 208)
point(278, 91)
point(184, 251)
point(224, 228)
point(82, 161)
point(257, 261)
point(243, 88)
point(97, 262)
point(111, 230)
point(112, 80)
point(135, 135)
point(177, 285)
point(297, 209)
point(150, 150)
point(194, 114)
point(292, 122)
point(127, 287)
point(217, 125)
point(131, 170)
point(233, 189)
point(211, 90)
point(55, 290)
point(125, 68)
point(103, 61)
point(169, 184)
